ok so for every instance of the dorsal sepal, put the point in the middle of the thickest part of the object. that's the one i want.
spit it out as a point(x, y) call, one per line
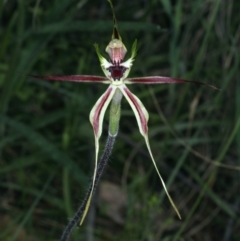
point(115, 34)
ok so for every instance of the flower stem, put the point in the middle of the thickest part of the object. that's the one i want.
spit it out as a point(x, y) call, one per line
point(101, 165)
point(115, 111)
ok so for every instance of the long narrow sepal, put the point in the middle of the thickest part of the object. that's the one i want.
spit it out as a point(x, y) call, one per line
point(115, 34)
point(73, 78)
point(96, 119)
point(138, 108)
point(163, 183)
point(142, 119)
point(163, 80)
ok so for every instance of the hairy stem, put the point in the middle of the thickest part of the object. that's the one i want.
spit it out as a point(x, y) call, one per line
point(101, 165)
point(115, 111)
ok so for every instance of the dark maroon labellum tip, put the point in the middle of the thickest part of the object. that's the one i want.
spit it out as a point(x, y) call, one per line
point(117, 71)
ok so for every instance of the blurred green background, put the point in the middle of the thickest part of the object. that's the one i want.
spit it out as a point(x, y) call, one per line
point(47, 144)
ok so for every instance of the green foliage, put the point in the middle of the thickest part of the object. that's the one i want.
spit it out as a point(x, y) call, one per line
point(47, 144)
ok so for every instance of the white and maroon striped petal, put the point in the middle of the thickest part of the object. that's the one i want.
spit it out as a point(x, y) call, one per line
point(74, 78)
point(162, 80)
point(96, 119)
point(142, 119)
point(98, 111)
point(138, 109)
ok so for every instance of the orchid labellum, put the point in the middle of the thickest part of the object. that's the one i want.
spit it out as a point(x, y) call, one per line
point(116, 71)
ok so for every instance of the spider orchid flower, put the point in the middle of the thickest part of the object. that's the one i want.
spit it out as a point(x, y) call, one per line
point(116, 72)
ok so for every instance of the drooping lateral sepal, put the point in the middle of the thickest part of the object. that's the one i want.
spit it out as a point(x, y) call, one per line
point(73, 78)
point(141, 115)
point(98, 111)
point(96, 119)
point(138, 108)
point(162, 181)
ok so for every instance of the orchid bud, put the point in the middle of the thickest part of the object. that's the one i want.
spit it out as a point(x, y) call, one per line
point(116, 50)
